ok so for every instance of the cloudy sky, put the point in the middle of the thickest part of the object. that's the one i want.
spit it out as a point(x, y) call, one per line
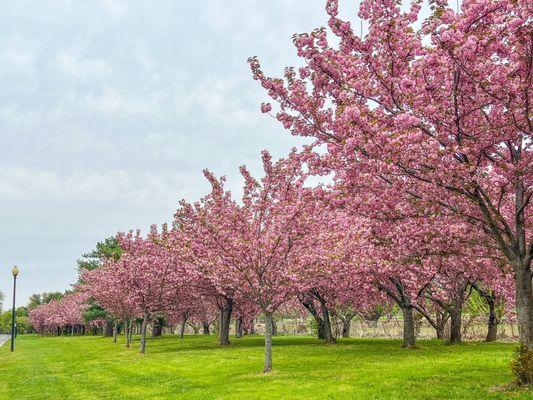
point(110, 109)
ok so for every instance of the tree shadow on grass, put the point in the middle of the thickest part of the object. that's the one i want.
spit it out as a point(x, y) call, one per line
point(172, 343)
point(372, 349)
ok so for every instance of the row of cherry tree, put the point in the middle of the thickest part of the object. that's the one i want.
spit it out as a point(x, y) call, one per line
point(424, 127)
point(283, 245)
point(65, 314)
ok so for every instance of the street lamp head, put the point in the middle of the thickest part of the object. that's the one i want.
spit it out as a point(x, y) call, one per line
point(15, 271)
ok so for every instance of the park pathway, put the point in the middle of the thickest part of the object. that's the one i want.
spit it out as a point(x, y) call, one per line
point(3, 339)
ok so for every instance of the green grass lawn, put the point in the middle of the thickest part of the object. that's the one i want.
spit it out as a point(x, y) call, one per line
point(196, 368)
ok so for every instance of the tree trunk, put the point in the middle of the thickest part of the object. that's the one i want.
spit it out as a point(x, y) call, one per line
point(440, 332)
point(268, 342)
point(346, 324)
point(127, 331)
point(108, 329)
point(143, 334)
point(524, 303)
point(310, 306)
point(205, 326)
point(132, 326)
point(403, 299)
point(322, 318)
point(274, 327)
point(409, 337)
point(328, 333)
point(455, 324)
point(252, 327)
point(320, 327)
point(115, 332)
point(492, 333)
point(440, 325)
point(238, 327)
point(225, 321)
point(157, 328)
point(182, 326)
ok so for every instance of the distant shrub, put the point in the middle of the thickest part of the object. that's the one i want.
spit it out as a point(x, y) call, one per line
point(522, 365)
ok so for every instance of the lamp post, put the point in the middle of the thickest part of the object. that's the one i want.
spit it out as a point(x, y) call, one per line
point(15, 272)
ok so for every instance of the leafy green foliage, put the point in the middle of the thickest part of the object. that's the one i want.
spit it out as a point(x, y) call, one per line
point(22, 320)
point(39, 299)
point(476, 306)
point(522, 365)
point(108, 249)
point(94, 312)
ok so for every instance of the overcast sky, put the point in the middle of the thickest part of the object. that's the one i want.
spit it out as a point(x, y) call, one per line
point(109, 111)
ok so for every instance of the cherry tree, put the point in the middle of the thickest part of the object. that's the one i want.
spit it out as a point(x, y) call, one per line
point(150, 273)
point(59, 315)
point(327, 271)
point(36, 319)
point(109, 287)
point(251, 247)
point(72, 307)
point(245, 313)
point(188, 236)
point(435, 114)
point(187, 303)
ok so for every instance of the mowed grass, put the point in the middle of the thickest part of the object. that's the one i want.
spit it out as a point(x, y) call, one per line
point(196, 368)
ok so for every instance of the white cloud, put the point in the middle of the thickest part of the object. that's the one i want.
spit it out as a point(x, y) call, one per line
point(110, 101)
point(110, 110)
point(118, 9)
point(72, 65)
point(17, 54)
point(16, 58)
point(112, 187)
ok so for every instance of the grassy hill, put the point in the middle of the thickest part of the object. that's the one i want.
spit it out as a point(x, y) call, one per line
point(196, 368)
